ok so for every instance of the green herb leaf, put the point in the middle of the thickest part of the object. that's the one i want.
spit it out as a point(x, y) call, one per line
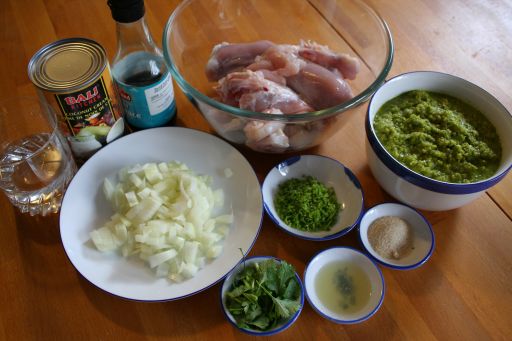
point(263, 294)
point(285, 308)
point(261, 322)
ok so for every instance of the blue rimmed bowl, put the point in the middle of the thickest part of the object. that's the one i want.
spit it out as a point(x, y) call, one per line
point(331, 173)
point(423, 240)
point(228, 282)
point(418, 190)
point(357, 258)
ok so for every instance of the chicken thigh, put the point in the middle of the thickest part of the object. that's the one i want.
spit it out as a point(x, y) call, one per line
point(320, 87)
point(252, 91)
point(346, 65)
point(226, 57)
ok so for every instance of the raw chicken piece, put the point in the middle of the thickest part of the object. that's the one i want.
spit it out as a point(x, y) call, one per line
point(251, 91)
point(282, 59)
point(273, 76)
point(266, 136)
point(226, 57)
point(301, 136)
point(347, 65)
point(274, 143)
point(223, 122)
point(278, 79)
point(320, 87)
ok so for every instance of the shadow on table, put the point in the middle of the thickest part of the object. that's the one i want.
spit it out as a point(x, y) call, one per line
point(38, 229)
point(41, 252)
point(193, 315)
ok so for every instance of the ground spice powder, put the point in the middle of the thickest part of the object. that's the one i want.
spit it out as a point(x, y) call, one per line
point(391, 237)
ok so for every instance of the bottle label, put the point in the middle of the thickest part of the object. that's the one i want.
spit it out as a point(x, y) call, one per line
point(148, 106)
point(160, 96)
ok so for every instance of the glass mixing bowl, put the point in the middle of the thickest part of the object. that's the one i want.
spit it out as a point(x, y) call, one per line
point(345, 26)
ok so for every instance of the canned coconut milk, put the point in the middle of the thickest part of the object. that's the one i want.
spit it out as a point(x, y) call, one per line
point(73, 76)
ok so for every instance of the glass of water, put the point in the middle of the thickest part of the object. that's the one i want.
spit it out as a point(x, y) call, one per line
point(36, 163)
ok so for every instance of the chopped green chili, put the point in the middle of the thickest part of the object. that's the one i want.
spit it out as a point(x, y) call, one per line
point(307, 204)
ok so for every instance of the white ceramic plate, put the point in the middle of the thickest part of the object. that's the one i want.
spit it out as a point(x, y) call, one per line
point(84, 209)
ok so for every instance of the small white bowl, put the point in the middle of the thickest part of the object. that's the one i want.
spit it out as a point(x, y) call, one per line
point(413, 188)
point(332, 174)
point(423, 235)
point(370, 268)
point(228, 281)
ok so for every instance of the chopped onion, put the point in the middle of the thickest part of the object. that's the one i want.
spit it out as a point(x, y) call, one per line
point(228, 172)
point(165, 215)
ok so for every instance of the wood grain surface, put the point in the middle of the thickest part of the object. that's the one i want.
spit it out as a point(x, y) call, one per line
point(463, 292)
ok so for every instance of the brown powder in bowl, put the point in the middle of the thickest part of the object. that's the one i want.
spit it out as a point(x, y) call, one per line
point(390, 237)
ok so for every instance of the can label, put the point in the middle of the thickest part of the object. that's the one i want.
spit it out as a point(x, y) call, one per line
point(89, 107)
point(90, 117)
point(73, 76)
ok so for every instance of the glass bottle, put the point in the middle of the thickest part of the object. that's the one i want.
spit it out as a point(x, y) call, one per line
point(139, 69)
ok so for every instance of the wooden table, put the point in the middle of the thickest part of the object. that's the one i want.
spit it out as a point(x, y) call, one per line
point(463, 292)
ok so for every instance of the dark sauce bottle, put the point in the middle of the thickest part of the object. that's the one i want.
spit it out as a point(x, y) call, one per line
point(142, 77)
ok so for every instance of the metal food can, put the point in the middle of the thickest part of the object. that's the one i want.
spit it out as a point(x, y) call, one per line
point(73, 76)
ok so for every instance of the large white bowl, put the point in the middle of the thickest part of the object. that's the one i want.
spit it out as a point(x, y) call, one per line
point(413, 188)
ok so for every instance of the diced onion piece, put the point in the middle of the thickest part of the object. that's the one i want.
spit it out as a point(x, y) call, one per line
point(104, 239)
point(189, 251)
point(228, 172)
point(214, 251)
point(161, 257)
point(164, 215)
point(163, 167)
point(131, 198)
point(136, 181)
point(144, 210)
point(189, 270)
point(152, 173)
point(108, 189)
point(121, 232)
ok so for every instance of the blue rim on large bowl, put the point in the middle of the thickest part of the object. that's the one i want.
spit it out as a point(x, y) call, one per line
point(367, 316)
point(404, 267)
point(193, 93)
point(415, 178)
point(276, 330)
point(294, 159)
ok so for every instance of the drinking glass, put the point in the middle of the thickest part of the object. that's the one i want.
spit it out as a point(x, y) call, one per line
point(36, 164)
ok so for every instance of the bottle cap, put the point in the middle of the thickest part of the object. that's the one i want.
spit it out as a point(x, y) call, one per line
point(126, 11)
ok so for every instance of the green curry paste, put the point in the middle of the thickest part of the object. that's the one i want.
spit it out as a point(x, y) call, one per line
point(439, 136)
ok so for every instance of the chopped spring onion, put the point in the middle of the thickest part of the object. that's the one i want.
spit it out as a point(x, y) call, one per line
point(165, 215)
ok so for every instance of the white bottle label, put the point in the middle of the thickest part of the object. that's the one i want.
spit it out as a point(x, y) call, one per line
point(160, 97)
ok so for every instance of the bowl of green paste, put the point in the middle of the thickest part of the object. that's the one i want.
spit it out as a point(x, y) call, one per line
point(436, 141)
point(313, 197)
